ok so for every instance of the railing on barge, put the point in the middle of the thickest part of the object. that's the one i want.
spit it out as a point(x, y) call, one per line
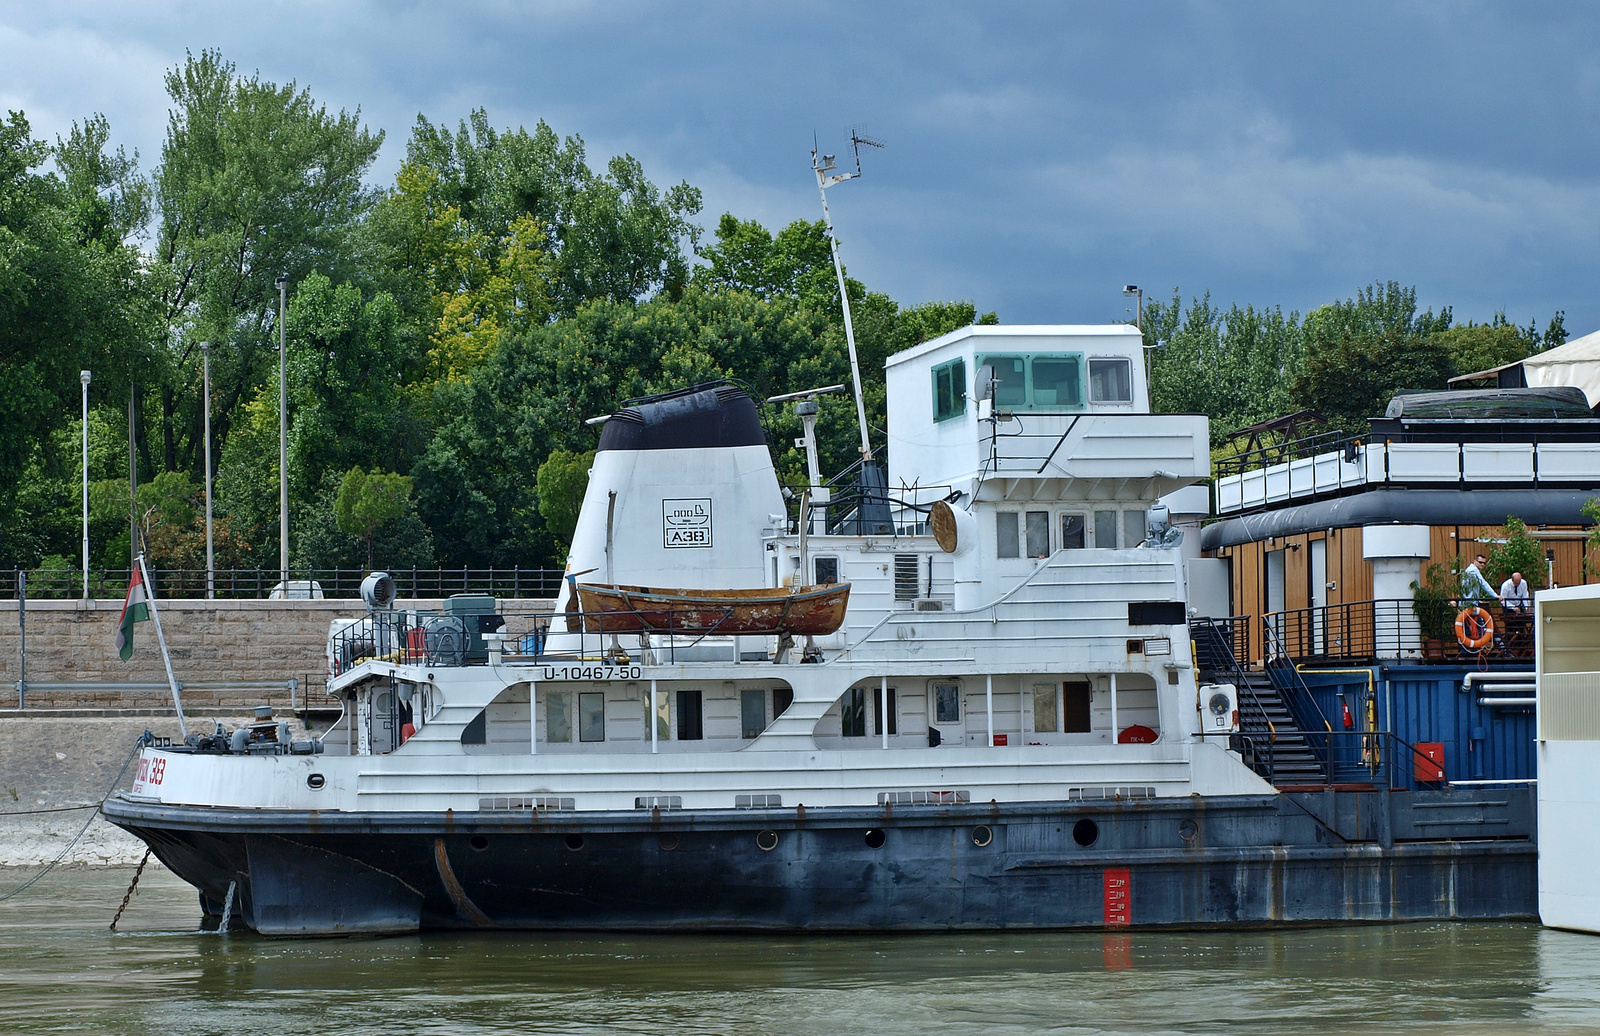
point(1367, 631)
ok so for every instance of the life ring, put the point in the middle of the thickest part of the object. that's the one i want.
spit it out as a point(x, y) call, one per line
point(1474, 619)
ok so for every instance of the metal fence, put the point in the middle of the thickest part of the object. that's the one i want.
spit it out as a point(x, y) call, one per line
point(247, 583)
point(1364, 631)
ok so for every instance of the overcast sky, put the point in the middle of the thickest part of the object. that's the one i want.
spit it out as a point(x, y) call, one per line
point(1039, 156)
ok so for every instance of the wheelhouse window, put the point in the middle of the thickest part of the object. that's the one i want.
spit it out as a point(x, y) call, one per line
point(1073, 529)
point(949, 390)
point(592, 716)
point(1044, 381)
point(1007, 542)
point(691, 723)
point(1110, 381)
point(1038, 534)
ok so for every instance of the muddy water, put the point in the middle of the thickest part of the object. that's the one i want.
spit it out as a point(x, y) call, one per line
point(62, 971)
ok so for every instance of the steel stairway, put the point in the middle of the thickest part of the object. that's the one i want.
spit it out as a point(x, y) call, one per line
point(1271, 741)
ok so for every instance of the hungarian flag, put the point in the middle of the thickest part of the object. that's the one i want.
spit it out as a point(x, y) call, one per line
point(136, 608)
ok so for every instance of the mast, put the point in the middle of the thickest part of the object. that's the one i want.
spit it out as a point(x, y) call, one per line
point(823, 166)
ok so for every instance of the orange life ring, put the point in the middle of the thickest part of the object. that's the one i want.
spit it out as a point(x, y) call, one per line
point(1474, 618)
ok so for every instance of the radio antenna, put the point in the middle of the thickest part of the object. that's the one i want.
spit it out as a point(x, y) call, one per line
point(823, 166)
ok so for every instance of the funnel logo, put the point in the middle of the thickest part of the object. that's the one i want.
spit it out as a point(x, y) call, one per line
point(686, 523)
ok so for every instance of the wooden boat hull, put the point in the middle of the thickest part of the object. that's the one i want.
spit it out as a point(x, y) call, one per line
point(807, 610)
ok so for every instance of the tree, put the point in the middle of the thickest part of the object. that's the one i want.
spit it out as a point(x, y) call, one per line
point(562, 480)
point(367, 501)
point(256, 181)
point(1519, 553)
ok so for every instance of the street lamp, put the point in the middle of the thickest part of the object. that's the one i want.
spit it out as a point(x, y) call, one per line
point(283, 437)
point(1131, 291)
point(211, 558)
point(84, 376)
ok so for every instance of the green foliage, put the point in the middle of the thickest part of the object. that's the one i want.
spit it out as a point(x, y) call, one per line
point(1519, 553)
point(1433, 599)
point(400, 543)
point(562, 480)
point(367, 501)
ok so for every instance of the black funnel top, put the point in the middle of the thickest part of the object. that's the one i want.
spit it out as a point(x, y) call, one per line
point(703, 417)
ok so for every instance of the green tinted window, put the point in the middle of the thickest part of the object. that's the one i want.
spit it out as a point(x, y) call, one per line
point(1010, 379)
point(950, 390)
point(1057, 381)
point(1047, 381)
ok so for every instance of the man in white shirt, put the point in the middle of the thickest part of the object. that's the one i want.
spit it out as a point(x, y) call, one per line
point(1514, 593)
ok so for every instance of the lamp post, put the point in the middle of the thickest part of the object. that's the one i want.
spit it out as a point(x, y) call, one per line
point(211, 557)
point(283, 438)
point(84, 376)
point(1132, 291)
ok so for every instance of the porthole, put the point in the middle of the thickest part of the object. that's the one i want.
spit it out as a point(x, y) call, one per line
point(1086, 832)
point(478, 843)
point(316, 781)
point(982, 835)
point(669, 842)
point(874, 839)
point(1188, 830)
point(767, 841)
point(574, 842)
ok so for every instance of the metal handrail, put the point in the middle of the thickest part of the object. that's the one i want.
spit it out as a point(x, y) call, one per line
point(1302, 693)
point(1389, 628)
point(1280, 453)
point(257, 583)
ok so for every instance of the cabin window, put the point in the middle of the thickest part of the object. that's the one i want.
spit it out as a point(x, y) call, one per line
point(752, 712)
point(950, 390)
point(782, 698)
point(1056, 381)
point(827, 570)
point(1105, 529)
point(592, 716)
point(1010, 379)
point(1051, 381)
point(947, 703)
point(853, 713)
point(1045, 711)
point(1075, 700)
point(877, 712)
point(558, 717)
point(1110, 381)
point(1038, 534)
point(1134, 527)
point(663, 716)
point(1007, 544)
point(1073, 528)
point(691, 722)
point(907, 577)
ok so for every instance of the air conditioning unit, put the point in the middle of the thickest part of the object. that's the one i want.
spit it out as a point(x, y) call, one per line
point(1219, 708)
point(929, 604)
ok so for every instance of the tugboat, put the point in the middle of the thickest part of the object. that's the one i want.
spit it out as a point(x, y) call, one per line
point(1004, 728)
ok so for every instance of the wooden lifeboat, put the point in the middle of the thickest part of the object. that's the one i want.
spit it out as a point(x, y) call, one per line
point(805, 610)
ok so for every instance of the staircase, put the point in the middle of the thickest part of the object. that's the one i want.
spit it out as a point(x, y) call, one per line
point(1271, 742)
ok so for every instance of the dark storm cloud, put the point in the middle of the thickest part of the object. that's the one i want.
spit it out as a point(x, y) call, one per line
point(1040, 155)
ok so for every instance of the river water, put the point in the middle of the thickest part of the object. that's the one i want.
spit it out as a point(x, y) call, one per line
point(63, 971)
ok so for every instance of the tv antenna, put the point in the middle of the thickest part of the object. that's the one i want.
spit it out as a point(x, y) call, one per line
point(823, 166)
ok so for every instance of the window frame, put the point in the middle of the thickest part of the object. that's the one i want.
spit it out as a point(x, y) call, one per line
point(1030, 526)
point(559, 704)
point(746, 696)
point(1090, 361)
point(1116, 526)
point(1028, 399)
point(853, 713)
point(1083, 530)
point(1012, 521)
point(691, 722)
point(955, 373)
point(585, 699)
point(937, 702)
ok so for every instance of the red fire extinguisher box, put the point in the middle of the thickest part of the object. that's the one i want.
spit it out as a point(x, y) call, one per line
point(1429, 761)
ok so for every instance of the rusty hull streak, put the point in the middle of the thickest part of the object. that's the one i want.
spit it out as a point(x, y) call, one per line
point(464, 906)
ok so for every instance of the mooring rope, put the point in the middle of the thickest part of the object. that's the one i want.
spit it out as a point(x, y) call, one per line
point(132, 885)
point(137, 744)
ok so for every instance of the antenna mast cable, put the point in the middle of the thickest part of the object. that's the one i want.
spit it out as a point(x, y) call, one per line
point(823, 166)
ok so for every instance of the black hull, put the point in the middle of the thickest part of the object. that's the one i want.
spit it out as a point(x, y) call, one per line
point(1223, 862)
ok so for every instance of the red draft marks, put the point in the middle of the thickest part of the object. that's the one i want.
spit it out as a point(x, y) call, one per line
point(151, 770)
point(1119, 904)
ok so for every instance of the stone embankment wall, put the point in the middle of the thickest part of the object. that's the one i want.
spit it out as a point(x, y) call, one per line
point(210, 641)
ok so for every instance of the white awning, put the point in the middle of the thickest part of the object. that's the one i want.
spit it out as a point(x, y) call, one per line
point(1577, 364)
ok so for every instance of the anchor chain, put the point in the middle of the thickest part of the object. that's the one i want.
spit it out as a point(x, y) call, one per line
point(132, 885)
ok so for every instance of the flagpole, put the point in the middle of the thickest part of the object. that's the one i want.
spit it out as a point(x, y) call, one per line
point(150, 599)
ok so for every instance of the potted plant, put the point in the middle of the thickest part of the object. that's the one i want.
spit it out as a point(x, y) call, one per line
point(1433, 601)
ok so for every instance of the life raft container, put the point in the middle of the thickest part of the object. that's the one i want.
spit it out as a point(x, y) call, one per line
point(1474, 628)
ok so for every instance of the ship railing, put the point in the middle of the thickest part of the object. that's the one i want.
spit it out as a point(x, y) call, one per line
point(109, 582)
point(908, 506)
point(412, 637)
point(668, 637)
point(1422, 631)
point(1358, 759)
point(1297, 697)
